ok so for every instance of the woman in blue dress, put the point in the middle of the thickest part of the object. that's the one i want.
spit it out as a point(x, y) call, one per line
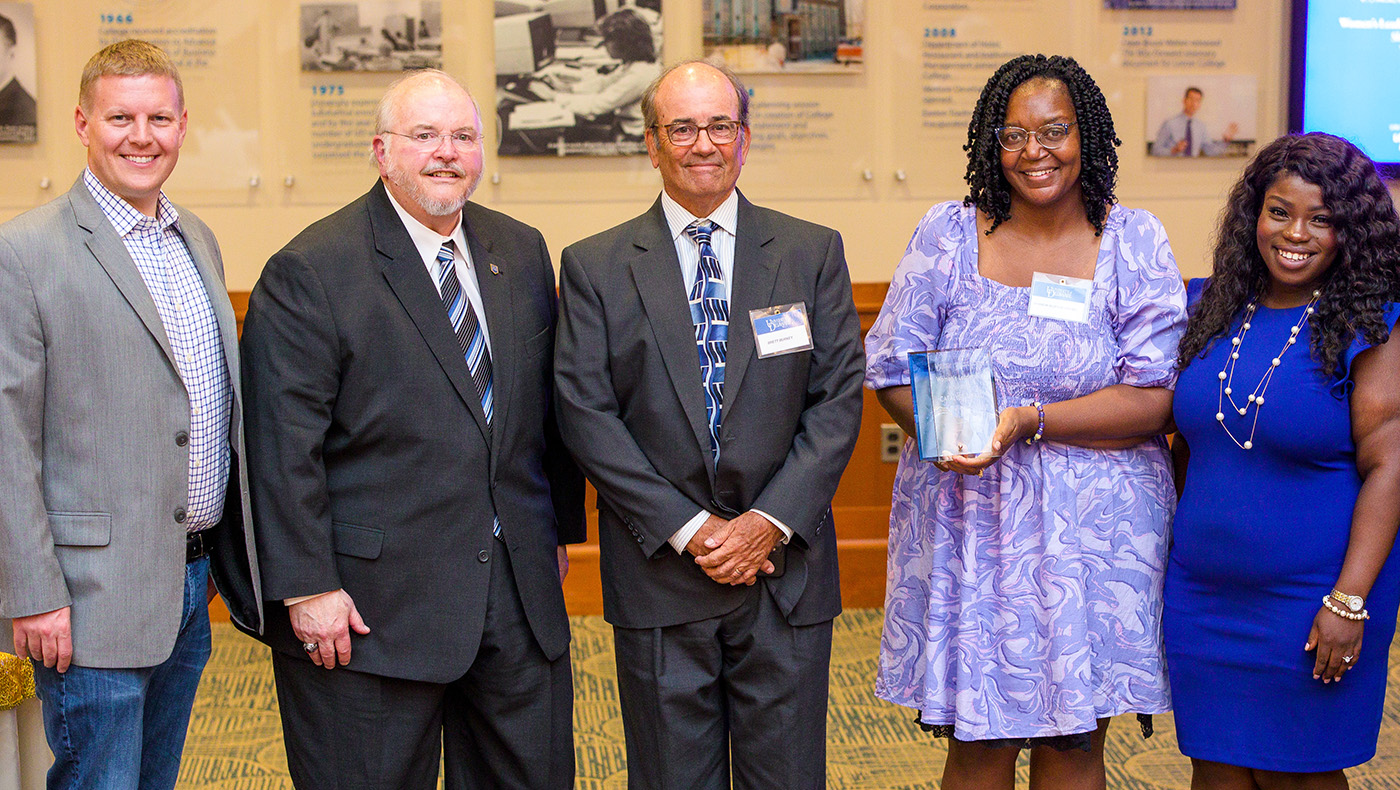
point(1281, 582)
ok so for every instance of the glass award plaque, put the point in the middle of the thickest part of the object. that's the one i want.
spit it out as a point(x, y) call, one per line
point(955, 402)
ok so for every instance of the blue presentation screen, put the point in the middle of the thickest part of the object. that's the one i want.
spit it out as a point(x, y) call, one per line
point(1351, 73)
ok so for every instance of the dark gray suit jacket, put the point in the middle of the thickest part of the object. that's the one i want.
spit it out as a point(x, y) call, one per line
point(92, 409)
point(631, 408)
point(369, 456)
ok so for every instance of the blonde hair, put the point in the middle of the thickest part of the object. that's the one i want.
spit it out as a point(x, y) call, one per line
point(129, 58)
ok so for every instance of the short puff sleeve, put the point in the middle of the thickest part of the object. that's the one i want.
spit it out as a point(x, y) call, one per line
point(1150, 308)
point(912, 316)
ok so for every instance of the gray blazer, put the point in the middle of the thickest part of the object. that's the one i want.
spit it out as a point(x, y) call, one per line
point(631, 409)
point(91, 406)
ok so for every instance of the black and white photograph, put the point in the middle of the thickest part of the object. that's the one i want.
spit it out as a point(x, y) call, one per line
point(786, 36)
point(1202, 115)
point(18, 110)
point(570, 75)
point(371, 35)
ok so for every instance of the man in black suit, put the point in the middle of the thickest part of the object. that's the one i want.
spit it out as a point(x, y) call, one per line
point(716, 446)
point(404, 456)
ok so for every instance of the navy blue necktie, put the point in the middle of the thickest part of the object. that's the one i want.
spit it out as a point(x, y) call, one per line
point(709, 312)
point(467, 327)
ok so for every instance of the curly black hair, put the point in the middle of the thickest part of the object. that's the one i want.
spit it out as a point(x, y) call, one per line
point(1364, 277)
point(1098, 169)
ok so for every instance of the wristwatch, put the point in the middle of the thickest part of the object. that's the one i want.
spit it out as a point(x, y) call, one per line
point(1353, 603)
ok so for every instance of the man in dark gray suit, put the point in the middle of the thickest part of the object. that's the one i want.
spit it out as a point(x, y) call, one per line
point(405, 461)
point(715, 446)
point(122, 442)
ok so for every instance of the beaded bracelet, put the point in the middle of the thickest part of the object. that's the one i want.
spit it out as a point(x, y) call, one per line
point(1340, 612)
point(1040, 428)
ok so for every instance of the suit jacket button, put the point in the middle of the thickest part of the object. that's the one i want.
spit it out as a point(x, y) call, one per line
point(179, 515)
point(182, 439)
point(483, 555)
point(639, 538)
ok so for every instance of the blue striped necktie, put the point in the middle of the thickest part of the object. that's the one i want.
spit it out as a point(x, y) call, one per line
point(467, 327)
point(709, 312)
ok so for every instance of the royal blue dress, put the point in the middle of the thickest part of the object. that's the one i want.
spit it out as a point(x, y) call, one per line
point(1258, 540)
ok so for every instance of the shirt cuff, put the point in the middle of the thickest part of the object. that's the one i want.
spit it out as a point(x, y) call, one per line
point(783, 528)
point(303, 598)
point(682, 536)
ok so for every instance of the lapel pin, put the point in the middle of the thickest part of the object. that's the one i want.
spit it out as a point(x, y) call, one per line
point(495, 269)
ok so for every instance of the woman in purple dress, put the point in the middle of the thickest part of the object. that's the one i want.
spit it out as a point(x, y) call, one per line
point(1282, 580)
point(1023, 596)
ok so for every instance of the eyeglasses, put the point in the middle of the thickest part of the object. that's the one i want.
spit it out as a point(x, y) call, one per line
point(428, 141)
point(686, 133)
point(1051, 135)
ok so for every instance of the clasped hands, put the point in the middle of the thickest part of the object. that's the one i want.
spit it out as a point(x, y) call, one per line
point(733, 552)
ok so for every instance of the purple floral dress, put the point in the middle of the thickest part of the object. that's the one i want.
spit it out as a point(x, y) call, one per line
point(1027, 603)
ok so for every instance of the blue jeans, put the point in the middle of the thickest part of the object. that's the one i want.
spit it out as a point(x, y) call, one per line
point(124, 729)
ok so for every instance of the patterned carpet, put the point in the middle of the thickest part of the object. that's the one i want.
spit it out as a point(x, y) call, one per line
point(235, 740)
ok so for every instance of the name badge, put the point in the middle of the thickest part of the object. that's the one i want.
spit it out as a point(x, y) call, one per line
point(1060, 298)
point(782, 329)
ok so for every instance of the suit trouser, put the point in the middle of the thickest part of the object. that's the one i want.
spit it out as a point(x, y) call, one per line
point(745, 687)
point(506, 723)
point(124, 729)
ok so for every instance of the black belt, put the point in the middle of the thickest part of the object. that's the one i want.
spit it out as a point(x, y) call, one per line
point(198, 545)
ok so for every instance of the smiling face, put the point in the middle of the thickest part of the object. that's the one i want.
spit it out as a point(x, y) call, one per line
point(431, 182)
point(1296, 239)
point(1191, 102)
point(133, 129)
point(701, 175)
point(1040, 176)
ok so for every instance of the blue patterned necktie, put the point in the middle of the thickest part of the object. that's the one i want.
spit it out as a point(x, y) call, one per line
point(467, 327)
point(709, 312)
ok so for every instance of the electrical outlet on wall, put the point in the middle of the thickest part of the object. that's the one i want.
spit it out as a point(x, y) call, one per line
point(891, 442)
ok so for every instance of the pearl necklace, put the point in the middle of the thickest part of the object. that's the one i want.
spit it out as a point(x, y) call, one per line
point(1256, 398)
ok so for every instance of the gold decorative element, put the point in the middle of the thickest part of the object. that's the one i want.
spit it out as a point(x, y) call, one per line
point(16, 681)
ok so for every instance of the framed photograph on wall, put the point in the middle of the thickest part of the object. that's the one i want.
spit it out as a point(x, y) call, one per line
point(1202, 115)
point(570, 75)
point(371, 35)
point(18, 109)
point(786, 36)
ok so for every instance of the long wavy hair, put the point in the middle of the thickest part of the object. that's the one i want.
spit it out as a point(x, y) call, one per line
point(1363, 278)
point(1098, 169)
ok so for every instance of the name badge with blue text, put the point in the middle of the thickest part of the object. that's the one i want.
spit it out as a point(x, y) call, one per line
point(1060, 298)
point(781, 329)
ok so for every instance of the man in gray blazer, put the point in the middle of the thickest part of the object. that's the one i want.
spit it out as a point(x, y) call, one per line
point(708, 373)
point(122, 449)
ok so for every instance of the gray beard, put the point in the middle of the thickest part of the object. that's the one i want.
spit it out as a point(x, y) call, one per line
point(434, 206)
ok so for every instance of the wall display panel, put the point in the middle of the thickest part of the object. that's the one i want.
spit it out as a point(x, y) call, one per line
point(329, 161)
point(1146, 59)
point(214, 43)
point(944, 54)
point(19, 113)
point(786, 36)
point(371, 35)
point(810, 137)
point(1176, 5)
point(570, 75)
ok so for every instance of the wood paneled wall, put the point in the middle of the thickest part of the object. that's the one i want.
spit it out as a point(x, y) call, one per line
point(861, 507)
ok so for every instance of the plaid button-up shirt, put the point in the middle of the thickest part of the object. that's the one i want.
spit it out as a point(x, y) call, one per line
point(159, 251)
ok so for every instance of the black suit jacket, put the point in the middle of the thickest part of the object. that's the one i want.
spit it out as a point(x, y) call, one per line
point(631, 408)
point(370, 460)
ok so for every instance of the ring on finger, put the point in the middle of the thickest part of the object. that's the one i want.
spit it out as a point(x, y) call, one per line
point(1348, 659)
point(310, 647)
